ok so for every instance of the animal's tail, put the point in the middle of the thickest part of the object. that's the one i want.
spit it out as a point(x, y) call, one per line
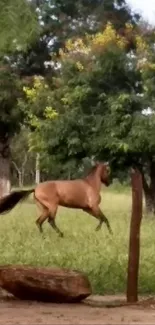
point(9, 201)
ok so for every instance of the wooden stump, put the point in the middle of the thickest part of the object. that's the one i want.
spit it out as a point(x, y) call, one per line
point(45, 284)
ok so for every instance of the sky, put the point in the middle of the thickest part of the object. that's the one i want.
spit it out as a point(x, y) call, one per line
point(145, 7)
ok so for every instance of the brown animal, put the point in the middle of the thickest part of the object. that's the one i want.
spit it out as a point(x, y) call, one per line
point(81, 193)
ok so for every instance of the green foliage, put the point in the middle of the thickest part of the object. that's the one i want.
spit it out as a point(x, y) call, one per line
point(19, 146)
point(95, 90)
point(9, 92)
point(100, 96)
point(13, 15)
point(95, 93)
point(62, 20)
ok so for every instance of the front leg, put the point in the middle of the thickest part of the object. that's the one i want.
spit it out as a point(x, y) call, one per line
point(103, 218)
point(98, 214)
point(55, 227)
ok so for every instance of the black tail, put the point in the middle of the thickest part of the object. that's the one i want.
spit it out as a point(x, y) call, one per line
point(9, 201)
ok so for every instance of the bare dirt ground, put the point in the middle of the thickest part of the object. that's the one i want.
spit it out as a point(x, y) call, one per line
point(95, 310)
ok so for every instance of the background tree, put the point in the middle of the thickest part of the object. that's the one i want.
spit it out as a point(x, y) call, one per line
point(103, 84)
point(58, 21)
point(23, 159)
point(62, 20)
point(13, 14)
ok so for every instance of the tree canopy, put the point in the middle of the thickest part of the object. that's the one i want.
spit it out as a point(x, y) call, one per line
point(98, 101)
point(80, 76)
point(14, 15)
point(62, 20)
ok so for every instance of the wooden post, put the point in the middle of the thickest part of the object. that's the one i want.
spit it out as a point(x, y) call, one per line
point(134, 242)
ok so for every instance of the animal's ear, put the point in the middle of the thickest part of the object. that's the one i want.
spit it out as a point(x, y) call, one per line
point(92, 160)
point(108, 167)
point(95, 163)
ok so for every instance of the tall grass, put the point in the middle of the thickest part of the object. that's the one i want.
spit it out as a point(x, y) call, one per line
point(101, 256)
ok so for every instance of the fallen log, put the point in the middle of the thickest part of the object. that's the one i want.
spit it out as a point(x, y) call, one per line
point(45, 284)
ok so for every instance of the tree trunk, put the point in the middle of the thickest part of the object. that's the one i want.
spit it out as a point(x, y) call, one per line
point(5, 168)
point(20, 179)
point(149, 189)
point(37, 168)
point(152, 184)
point(149, 204)
point(147, 195)
point(20, 174)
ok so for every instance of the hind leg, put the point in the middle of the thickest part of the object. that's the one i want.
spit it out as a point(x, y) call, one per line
point(49, 212)
point(42, 218)
point(51, 220)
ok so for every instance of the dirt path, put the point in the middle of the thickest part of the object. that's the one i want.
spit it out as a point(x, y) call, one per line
point(14, 312)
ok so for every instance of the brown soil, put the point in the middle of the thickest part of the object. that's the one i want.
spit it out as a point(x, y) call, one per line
point(95, 310)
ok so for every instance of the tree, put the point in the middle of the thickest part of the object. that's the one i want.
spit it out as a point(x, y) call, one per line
point(100, 96)
point(84, 92)
point(62, 20)
point(59, 20)
point(37, 105)
point(22, 158)
point(13, 14)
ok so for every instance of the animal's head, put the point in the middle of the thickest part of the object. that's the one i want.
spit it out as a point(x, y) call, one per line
point(105, 173)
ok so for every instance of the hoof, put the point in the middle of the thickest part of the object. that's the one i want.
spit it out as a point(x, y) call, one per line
point(97, 228)
point(61, 235)
point(110, 231)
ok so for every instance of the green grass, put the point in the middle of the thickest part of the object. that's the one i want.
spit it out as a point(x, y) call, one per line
point(101, 256)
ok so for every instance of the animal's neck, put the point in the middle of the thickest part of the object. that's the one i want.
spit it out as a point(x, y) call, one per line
point(94, 179)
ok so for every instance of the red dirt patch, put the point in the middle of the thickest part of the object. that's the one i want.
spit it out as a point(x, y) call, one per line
point(95, 310)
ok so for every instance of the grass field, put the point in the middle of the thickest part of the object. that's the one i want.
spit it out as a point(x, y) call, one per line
point(101, 256)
